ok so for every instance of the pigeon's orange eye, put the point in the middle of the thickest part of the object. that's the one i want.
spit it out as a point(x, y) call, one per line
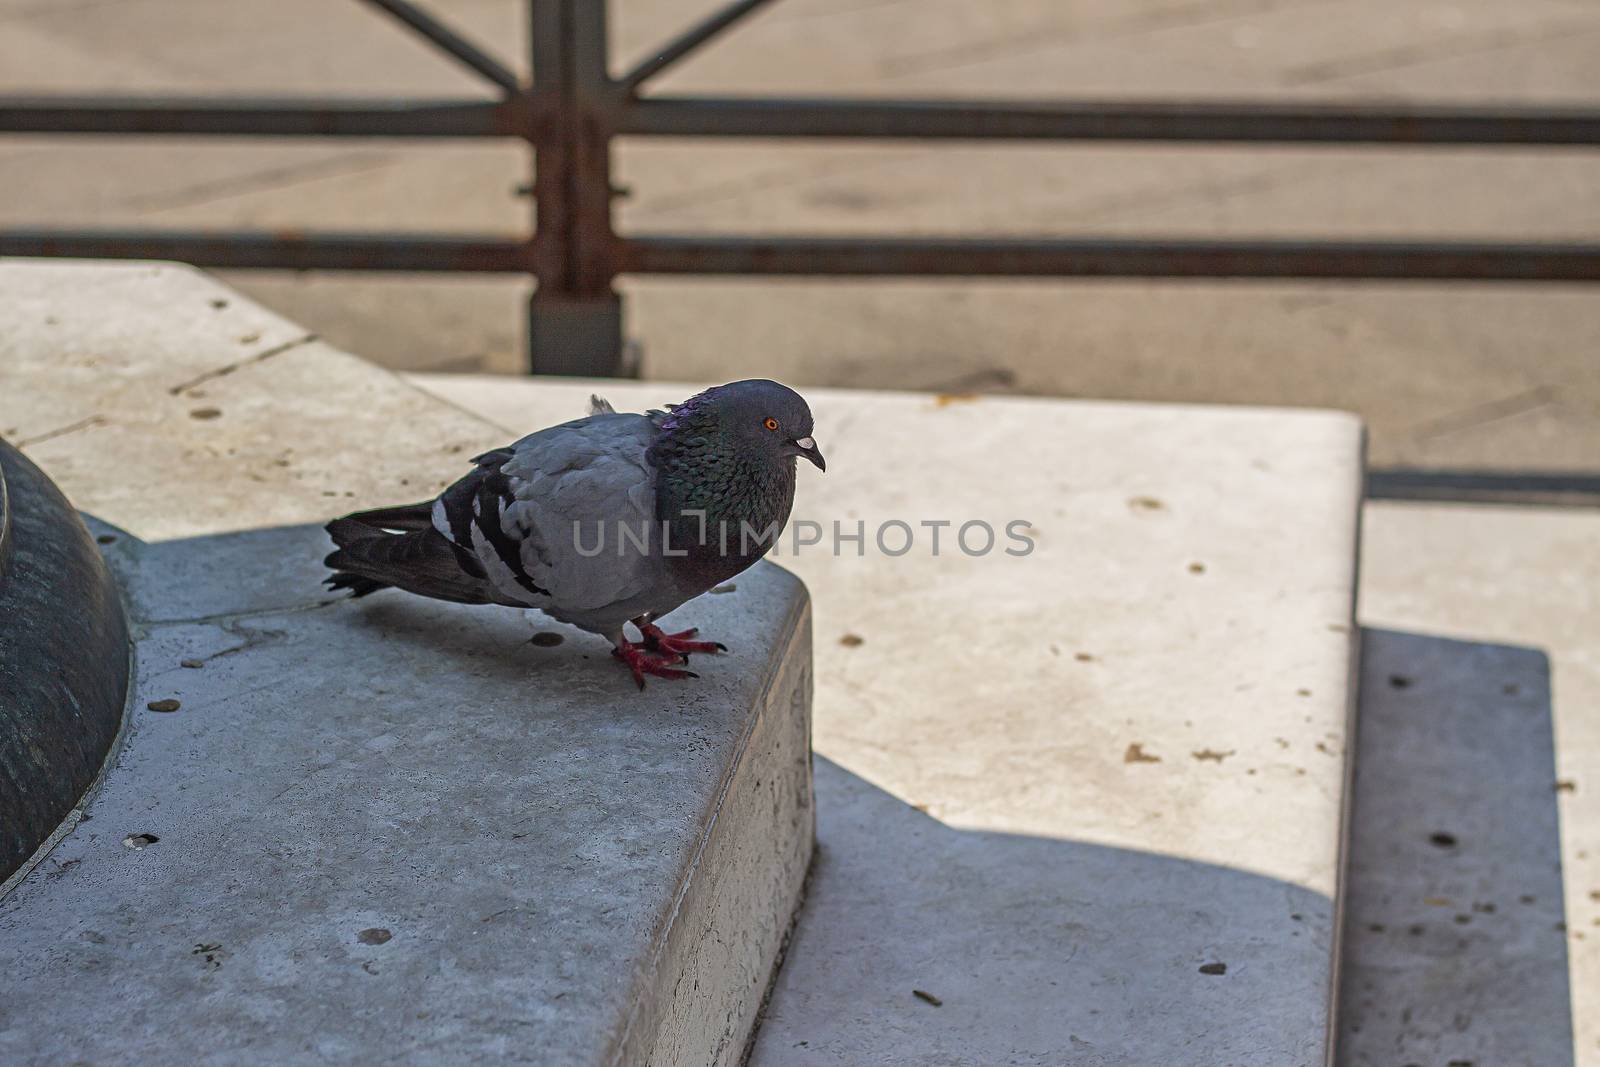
point(771, 424)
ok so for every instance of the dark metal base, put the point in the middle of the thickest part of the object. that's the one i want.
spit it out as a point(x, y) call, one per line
point(576, 336)
point(63, 659)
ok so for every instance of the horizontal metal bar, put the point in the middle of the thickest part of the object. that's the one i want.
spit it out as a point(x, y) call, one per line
point(450, 42)
point(1087, 120)
point(1484, 487)
point(260, 117)
point(669, 116)
point(687, 41)
point(284, 250)
point(291, 250)
point(954, 257)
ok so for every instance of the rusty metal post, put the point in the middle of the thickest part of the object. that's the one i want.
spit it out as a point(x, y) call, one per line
point(575, 313)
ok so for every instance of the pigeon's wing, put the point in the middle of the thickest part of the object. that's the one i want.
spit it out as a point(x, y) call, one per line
point(544, 515)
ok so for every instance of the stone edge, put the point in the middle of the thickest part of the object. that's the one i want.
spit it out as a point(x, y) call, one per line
point(1356, 639)
point(672, 1021)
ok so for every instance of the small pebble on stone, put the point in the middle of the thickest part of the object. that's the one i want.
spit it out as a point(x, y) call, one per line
point(164, 705)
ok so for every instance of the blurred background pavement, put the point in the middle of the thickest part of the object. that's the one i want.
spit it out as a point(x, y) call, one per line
point(1489, 375)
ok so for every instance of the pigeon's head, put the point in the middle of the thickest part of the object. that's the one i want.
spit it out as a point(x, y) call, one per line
point(763, 416)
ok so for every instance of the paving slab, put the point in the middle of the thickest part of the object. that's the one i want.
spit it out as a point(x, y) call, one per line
point(1488, 618)
point(169, 371)
point(1090, 800)
point(376, 831)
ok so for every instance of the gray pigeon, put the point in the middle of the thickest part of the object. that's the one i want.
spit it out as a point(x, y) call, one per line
point(608, 519)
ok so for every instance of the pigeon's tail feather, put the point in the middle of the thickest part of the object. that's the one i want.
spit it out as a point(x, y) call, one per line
point(419, 560)
point(359, 585)
point(402, 518)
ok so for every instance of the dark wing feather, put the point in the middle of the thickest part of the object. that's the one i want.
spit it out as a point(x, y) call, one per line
point(502, 533)
point(477, 502)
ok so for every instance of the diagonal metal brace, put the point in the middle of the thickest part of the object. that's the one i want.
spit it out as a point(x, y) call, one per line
point(449, 41)
point(687, 42)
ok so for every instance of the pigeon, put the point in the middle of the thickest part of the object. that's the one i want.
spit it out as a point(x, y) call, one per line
point(613, 518)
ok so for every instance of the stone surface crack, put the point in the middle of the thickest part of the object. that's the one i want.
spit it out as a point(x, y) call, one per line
point(1411, 55)
point(1120, 205)
point(1043, 38)
point(250, 639)
point(765, 181)
point(222, 618)
point(50, 435)
point(223, 371)
point(1483, 414)
point(268, 179)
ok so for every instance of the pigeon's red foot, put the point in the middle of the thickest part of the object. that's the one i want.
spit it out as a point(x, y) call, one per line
point(642, 662)
point(658, 640)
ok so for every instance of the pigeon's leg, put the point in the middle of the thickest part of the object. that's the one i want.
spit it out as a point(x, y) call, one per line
point(658, 640)
point(641, 661)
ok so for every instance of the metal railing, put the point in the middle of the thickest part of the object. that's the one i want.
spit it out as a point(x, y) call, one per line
point(572, 109)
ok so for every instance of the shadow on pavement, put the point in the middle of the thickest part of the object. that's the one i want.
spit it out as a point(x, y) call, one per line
point(1040, 951)
point(1455, 946)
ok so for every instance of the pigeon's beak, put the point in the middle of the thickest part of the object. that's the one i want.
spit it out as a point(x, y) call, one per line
point(807, 447)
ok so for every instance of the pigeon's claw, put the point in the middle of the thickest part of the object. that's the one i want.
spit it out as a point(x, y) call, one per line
point(658, 640)
point(642, 662)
